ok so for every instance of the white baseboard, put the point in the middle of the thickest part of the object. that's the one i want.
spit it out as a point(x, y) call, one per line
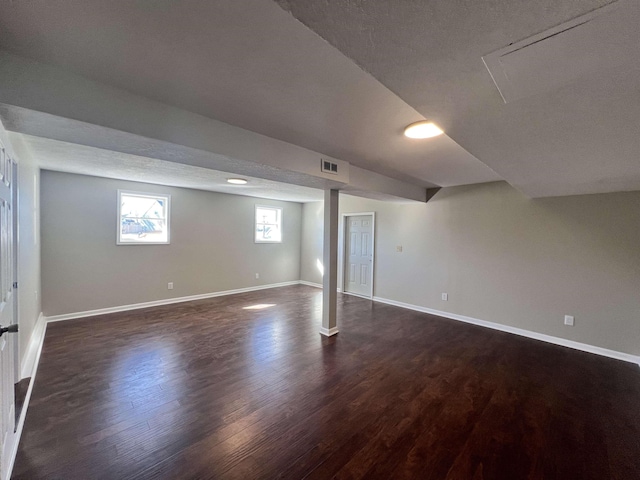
point(310, 284)
point(328, 332)
point(33, 350)
point(366, 297)
point(29, 369)
point(166, 301)
point(626, 357)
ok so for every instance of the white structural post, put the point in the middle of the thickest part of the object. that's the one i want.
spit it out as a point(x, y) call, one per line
point(330, 260)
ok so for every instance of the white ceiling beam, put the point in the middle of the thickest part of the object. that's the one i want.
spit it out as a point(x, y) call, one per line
point(47, 101)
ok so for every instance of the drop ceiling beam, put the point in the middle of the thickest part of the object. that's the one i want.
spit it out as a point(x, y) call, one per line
point(50, 102)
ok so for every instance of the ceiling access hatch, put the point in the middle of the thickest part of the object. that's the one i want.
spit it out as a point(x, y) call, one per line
point(603, 40)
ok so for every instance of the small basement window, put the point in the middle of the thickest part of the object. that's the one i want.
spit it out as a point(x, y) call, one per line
point(268, 224)
point(143, 218)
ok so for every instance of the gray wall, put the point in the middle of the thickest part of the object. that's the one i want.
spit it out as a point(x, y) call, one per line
point(311, 248)
point(507, 259)
point(211, 248)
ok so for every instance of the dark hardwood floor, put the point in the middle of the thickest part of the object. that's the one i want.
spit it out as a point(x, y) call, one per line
point(209, 389)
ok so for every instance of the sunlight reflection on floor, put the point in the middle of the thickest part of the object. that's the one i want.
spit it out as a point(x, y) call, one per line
point(259, 306)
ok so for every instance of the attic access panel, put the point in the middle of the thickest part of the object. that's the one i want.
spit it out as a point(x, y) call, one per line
point(601, 40)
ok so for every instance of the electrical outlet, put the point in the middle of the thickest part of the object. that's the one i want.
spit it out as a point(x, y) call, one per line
point(399, 248)
point(170, 286)
point(445, 296)
point(257, 276)
point(568, 320)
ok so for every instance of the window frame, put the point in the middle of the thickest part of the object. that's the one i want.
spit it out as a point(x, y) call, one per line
point(164, 196)
point(279, 217)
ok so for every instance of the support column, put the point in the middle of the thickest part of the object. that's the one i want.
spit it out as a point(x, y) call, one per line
point(330, 261)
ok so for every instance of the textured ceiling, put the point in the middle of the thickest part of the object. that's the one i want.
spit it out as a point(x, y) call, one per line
point(259, 65)
point(73, 158)
point(247, 63)
point(579, 138)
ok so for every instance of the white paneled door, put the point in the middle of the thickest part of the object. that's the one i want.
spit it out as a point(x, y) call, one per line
point(7, 309)
point(358, 273)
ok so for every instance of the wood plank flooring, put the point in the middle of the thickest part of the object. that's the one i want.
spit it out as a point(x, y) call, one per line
point(210, 389)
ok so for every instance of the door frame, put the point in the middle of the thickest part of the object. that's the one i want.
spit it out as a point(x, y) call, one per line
point(343, 243)
point(16, 299)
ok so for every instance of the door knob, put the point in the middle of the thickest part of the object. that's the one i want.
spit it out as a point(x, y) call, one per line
point(10, 329)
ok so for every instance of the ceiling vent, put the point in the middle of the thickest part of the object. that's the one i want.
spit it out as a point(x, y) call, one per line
point(328, 167)
point(601, 40)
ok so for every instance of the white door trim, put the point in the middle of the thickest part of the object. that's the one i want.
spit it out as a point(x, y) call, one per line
point(16, 312)
point(343, 243)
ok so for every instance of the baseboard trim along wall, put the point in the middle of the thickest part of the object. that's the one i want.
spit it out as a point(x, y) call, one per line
point(29, 363)
point(626, 357)
point(328, 332)
point(29, 369)
point(166, 301)
point(310, 284)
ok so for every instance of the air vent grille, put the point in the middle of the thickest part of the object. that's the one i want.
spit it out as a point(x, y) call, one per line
point(328, 167)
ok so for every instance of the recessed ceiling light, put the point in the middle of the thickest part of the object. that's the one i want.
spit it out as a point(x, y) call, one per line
point(422, 129)
point(236, 181)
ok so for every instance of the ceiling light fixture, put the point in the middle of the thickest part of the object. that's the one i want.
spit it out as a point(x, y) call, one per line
point(422, 129)
point(236, 181)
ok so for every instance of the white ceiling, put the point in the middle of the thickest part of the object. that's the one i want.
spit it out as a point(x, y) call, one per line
point(253, 64)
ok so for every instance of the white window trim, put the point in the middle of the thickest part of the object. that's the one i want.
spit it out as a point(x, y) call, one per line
point(255, 223)
point(143, 194)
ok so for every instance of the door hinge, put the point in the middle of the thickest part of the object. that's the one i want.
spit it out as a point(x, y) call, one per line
point(15, 284)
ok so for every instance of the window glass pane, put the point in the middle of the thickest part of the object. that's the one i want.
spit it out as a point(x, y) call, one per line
point(268, 233)
point(142, 207)
point(267, 215)
point(143, 230)
point(144, 219)
point(268, 225)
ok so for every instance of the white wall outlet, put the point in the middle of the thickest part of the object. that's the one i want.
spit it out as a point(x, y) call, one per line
point(170, 286)
point(445, 296)
point(568, 320)
point(257, 276)
point(399, 248)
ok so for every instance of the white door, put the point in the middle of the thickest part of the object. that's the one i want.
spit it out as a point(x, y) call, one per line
point(359, 255)
point(7, 317)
